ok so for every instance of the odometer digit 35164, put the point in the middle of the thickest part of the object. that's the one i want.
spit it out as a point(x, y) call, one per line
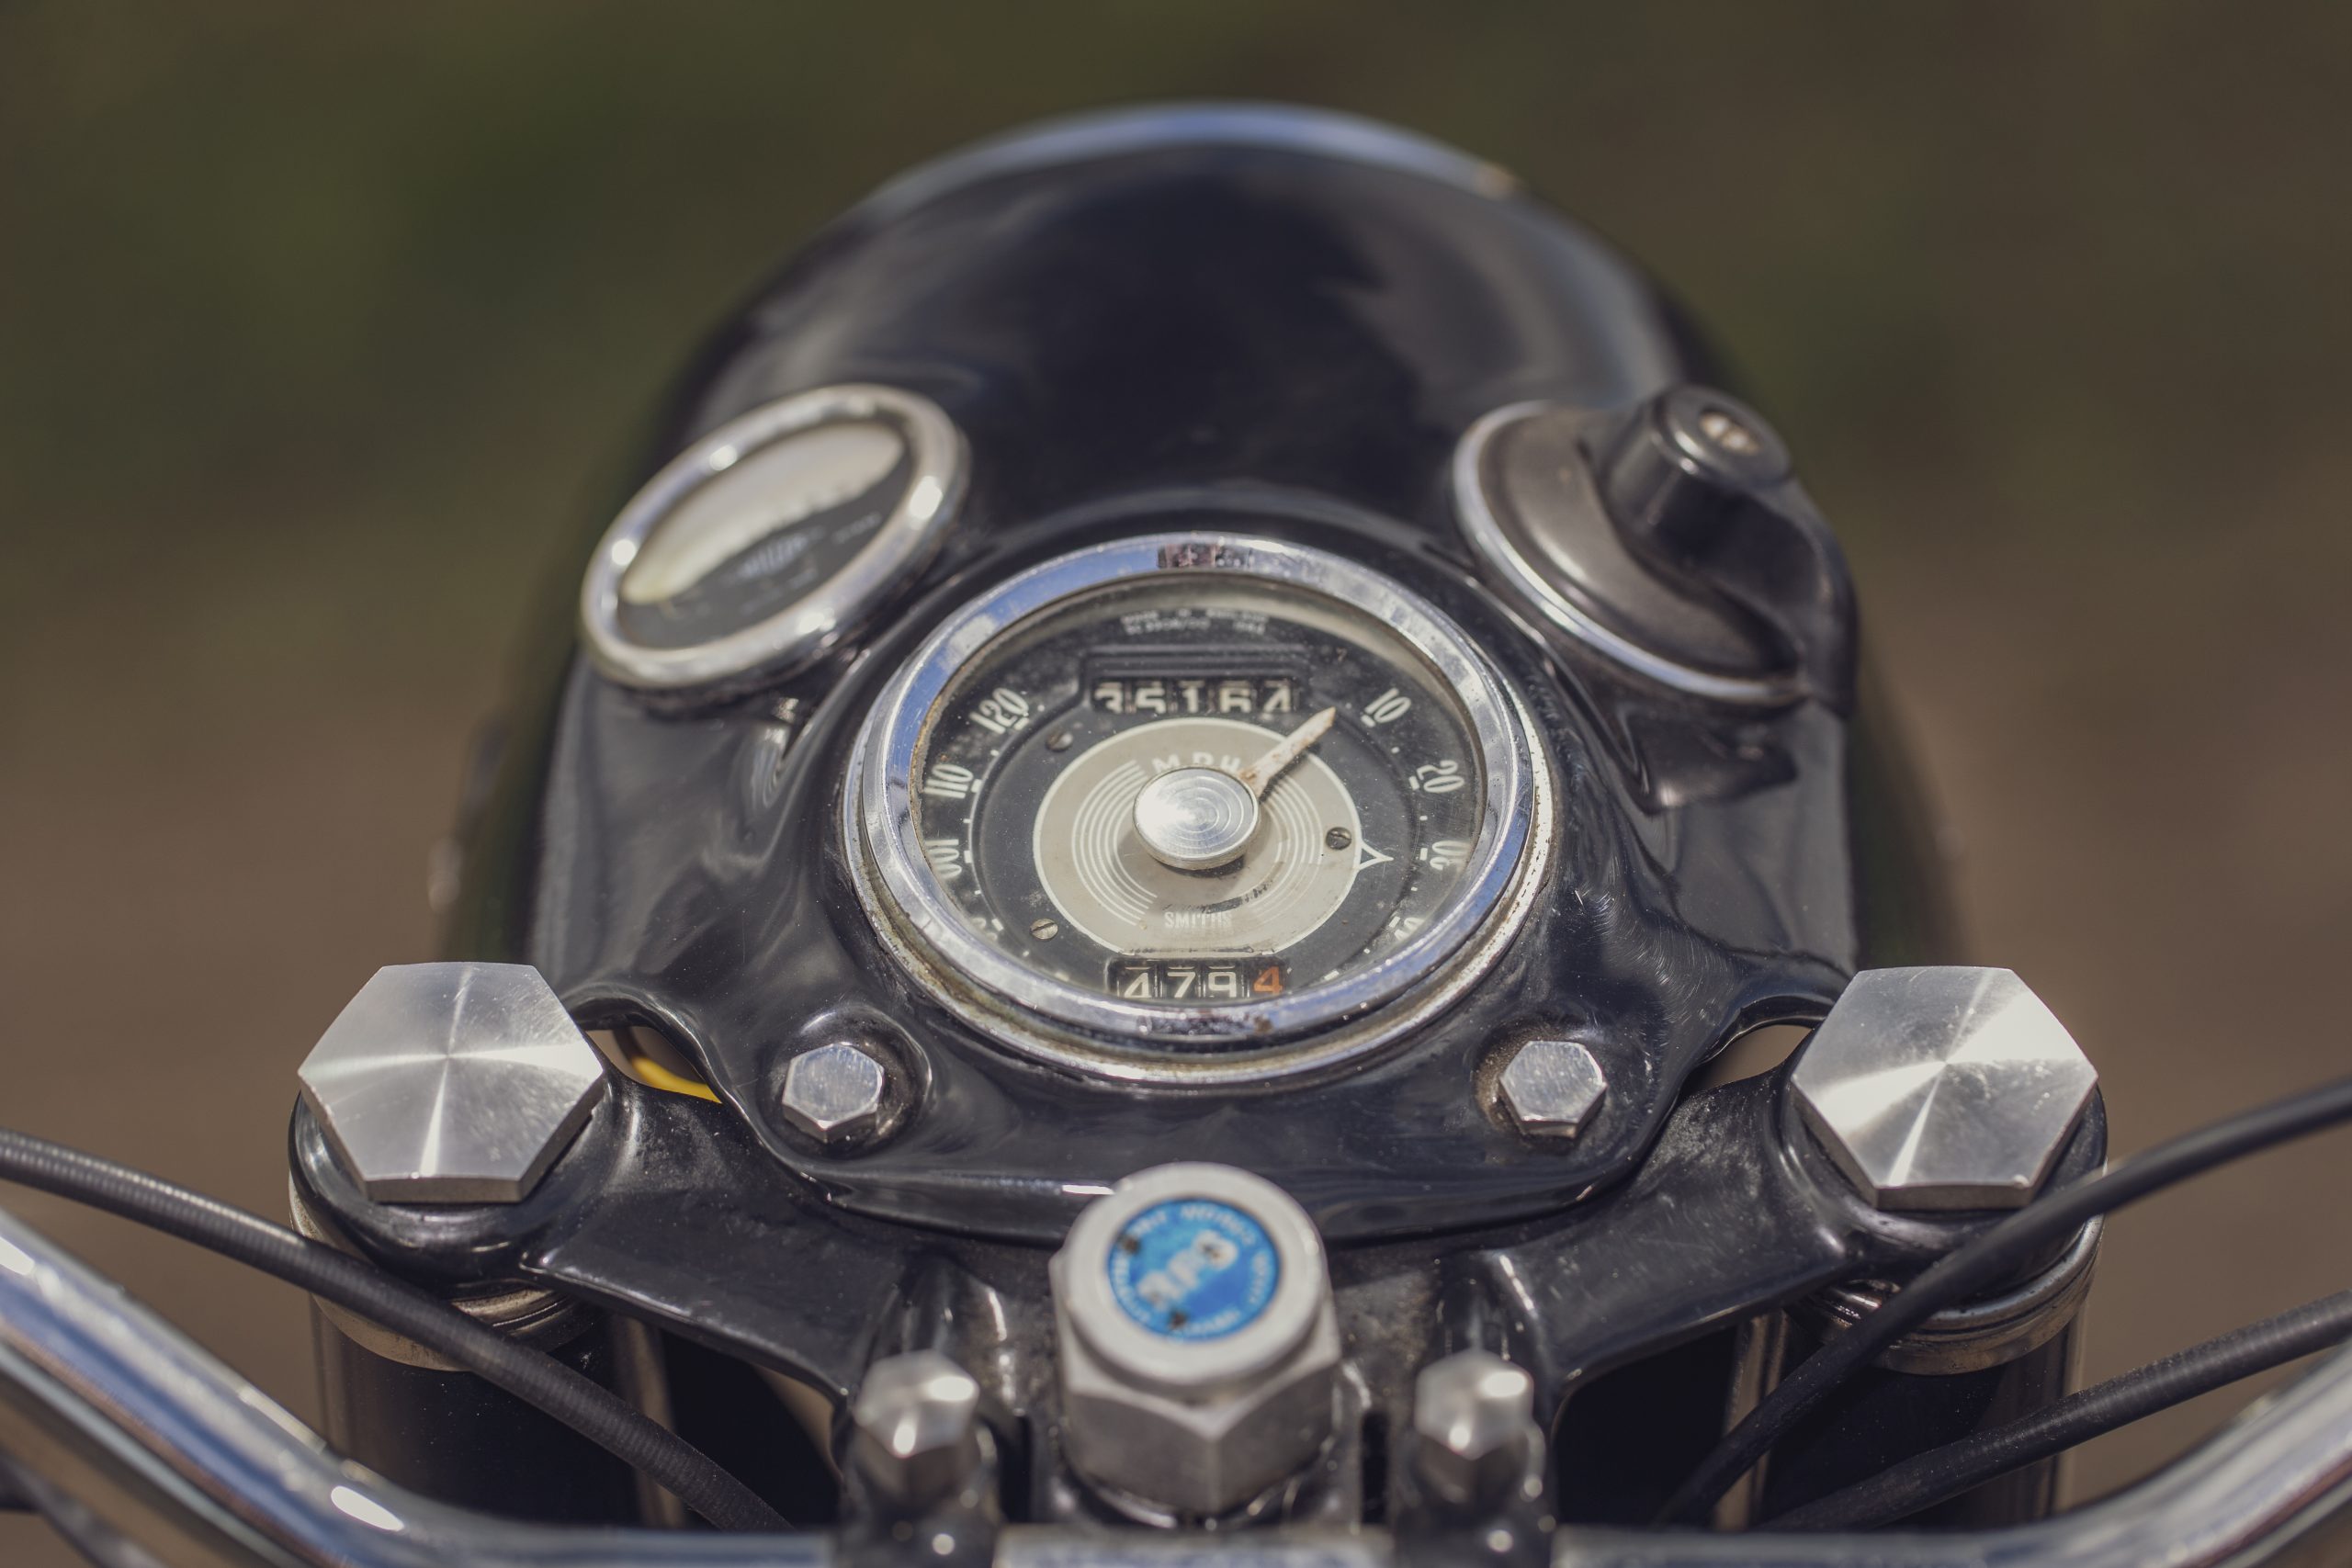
point(1187, 796)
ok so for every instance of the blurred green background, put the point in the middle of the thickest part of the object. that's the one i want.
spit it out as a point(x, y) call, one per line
point(326, 335)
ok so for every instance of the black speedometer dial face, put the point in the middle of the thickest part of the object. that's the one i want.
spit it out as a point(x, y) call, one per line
point(1034, 815)
point(1193, 798)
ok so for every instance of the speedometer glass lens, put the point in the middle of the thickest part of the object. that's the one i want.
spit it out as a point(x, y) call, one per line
point(1188, 794)
point(1088, 802)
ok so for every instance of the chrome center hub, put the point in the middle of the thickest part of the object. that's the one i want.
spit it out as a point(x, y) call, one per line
point(1196, 818)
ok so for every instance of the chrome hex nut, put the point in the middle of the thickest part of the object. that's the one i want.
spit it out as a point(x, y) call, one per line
point(1199, 1351)
point(834, 1093)
point(1474, 1427)
point(1943, 1087)
point(917, 1427)
point(451, 1083)
point(1552, 1088)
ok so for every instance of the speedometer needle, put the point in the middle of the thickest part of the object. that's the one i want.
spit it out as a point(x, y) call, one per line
point(1200, 819)
point(1259, 774)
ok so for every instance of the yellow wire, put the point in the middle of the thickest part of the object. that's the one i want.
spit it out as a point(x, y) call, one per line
point(653, 1075)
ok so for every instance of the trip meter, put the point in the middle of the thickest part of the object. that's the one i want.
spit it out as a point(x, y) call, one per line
point(1191, 797)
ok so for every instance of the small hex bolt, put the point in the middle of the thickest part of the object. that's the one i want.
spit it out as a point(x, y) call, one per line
point(452, 1083)
point(1943, 1087)
point(834, 1093)
point(1474, 1426)
point(918, 1428)
point(1552, 1088)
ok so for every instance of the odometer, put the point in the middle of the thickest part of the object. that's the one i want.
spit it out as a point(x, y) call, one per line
point(1191, 794)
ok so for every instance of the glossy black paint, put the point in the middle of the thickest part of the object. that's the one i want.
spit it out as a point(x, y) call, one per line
point(1277, 327)
point(1253, 337)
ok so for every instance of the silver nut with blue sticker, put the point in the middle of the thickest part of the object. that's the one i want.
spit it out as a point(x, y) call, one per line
point(1199, 1351)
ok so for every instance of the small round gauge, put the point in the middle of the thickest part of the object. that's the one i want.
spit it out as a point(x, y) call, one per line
point(771, 537)
point(1189, 796)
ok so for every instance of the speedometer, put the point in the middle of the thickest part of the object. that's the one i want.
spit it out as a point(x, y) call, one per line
point(1191, 797)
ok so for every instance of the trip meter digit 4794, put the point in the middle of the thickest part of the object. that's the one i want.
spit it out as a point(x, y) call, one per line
point(1191, 800)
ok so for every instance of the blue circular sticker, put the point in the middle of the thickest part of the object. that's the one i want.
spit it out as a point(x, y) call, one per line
point(1193, 1269)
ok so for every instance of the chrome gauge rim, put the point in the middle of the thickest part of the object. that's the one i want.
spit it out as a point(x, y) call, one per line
point(1049, 1017)
point(1492, 542)
point(800, 630)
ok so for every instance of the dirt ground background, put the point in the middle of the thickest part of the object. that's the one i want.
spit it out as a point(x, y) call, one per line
point(326, 336)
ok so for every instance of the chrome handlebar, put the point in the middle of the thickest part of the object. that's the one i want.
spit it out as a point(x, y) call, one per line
point(146, 1449)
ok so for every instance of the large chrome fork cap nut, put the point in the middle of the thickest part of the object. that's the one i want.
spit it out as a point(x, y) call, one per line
point(452, 1083)
point(1943, 1087)
point(1199, 1349)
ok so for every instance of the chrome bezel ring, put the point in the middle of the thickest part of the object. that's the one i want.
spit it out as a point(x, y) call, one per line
point(818, 619)
point(1064, 1023)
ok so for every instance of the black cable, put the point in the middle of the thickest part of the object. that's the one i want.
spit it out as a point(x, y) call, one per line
point(1983, 1262)
point(535, 1379)
point(1928, 1479)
